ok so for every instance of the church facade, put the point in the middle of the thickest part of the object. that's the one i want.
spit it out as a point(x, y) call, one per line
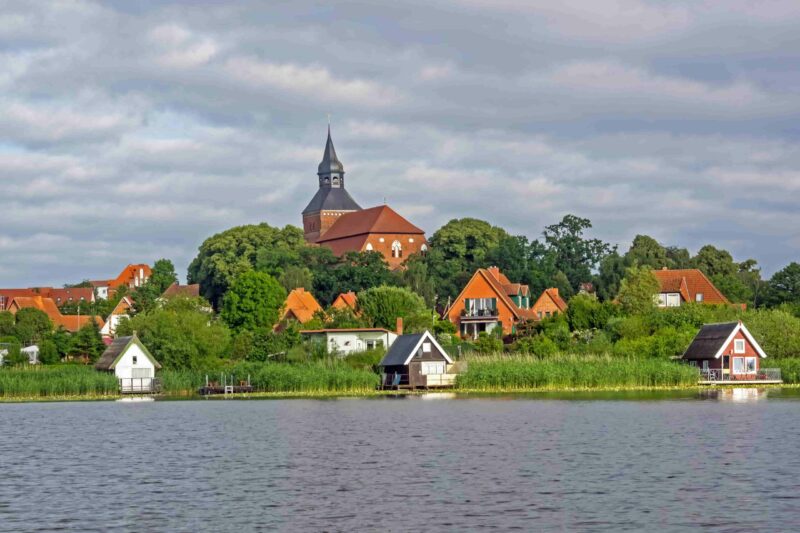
point(333, 219)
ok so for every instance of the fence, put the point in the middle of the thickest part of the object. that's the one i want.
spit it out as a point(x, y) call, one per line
point(139, 385)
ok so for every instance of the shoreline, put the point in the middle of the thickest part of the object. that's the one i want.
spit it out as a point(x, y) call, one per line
point(299, 395)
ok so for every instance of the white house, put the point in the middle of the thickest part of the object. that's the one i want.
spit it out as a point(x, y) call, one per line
point(347, 341)
point(119, 313)
point(132, 363)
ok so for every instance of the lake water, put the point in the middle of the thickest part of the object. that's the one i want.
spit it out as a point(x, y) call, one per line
point(726, 462)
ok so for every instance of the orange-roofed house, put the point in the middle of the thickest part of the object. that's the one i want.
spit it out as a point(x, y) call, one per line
point(489, 301)
point(346, 300)
point(686, 285)
point(184, 291)
point(549, 304)
point(333, 219)
point(71, 323)
point(132, 276)
point(300, 305)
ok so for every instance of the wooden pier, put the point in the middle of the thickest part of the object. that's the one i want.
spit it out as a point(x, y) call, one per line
point(226, 385)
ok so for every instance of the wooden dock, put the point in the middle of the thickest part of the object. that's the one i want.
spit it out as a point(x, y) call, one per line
point(226, 385)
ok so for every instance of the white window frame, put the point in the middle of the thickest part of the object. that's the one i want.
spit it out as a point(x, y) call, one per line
point(738, 368)
point(738, 346)
point(698, 297)
point(747, 365)
point(673, 299)
point(426, 347)
point(429, 368)
point(705, 365)
point(397, 249)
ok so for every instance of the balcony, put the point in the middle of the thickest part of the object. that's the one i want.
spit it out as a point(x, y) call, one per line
point(479, 314)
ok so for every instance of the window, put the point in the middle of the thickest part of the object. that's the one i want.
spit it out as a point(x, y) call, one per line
point(140, 373)
point(370, 345)
point(135, 359)
point(738, 365)
point(540, 314)
point(411, 239)
point(426, 347)
point(673, 299)
point(336, 181)
point(750, 365)
point(432, 367)
point(327, 180)
point(368, 247)
point(698, 297)
point(705, 366)
point(397, 249)
point(738, 346)
point(423, 249)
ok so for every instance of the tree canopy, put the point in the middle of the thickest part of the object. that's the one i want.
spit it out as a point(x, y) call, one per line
point(253, 301)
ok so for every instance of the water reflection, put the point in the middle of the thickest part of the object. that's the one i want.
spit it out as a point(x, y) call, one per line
point(735, 394)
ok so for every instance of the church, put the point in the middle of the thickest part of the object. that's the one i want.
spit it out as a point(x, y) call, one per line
point(333, 219)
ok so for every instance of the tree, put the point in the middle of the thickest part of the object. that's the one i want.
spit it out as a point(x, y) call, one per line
point(637, 290)
point(12, 348)
point(253, 301)
point(225, 256)
point(383, 305)
point(575, 255)
point(415, 277)
point(714, 262)
point(48, 352)
point(612, 270)
point(646, 251)
point(784, 286)
point(295, 276)
point(182, 334)
point(586, 312)
point(459, 248)
point(31, 325)
point(87, 342)
point(354, 271)
point(678, 257)
point(7, 322)
point(162, 276)
point(737, 281)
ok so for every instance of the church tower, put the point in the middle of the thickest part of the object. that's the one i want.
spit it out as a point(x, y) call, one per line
point(331, 200)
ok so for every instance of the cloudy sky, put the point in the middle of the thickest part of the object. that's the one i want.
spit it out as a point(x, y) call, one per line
point(131, 131)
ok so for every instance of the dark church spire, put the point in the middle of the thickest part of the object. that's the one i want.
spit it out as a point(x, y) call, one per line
point(330, 167)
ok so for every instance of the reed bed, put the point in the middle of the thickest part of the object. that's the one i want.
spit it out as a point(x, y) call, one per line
point(55, 381)
point(316, 377)
point(507, 373)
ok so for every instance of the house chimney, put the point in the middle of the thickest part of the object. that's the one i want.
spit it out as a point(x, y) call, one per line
point(494, 271)
point(664, 268)
point(399, 327)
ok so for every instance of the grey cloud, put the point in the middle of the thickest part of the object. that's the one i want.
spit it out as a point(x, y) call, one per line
point(132, 131)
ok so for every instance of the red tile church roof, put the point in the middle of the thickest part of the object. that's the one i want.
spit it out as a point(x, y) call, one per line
point(381, 219)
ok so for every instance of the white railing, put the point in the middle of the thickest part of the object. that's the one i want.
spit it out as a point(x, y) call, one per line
point(139, 385)
point(764, 374)
point(440, 380)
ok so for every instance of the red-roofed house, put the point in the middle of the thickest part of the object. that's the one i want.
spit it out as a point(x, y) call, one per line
point(549, 304)
point(59, 296)
point(184, 291)
point(686, 285)
point(119, 312)
point(488, 301)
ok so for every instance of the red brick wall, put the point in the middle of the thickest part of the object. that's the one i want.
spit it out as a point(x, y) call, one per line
point(545, 305)
point(385, 247)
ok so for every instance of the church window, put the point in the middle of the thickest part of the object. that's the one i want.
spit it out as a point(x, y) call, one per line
point(397, 249)
point(368, 247)
point(327, 180)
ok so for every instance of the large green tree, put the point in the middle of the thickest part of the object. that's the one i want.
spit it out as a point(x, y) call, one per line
point(382, 306)
point(354, 271)
point(575, 255)
point(646, 251)
point(7, 322)
point(784, 286)
point(182, 334)
point(611, 272)
point(32, 325)
point(87, 342)
point(225, 256)
point(637, 290)
point(253, 301)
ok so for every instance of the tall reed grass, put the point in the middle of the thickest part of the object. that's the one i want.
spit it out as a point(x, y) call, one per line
point(504, 372)
point(790, 368)
point(50, 381)
point(315, 377)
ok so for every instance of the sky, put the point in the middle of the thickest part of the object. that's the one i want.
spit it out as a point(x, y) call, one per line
point(131, 131)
